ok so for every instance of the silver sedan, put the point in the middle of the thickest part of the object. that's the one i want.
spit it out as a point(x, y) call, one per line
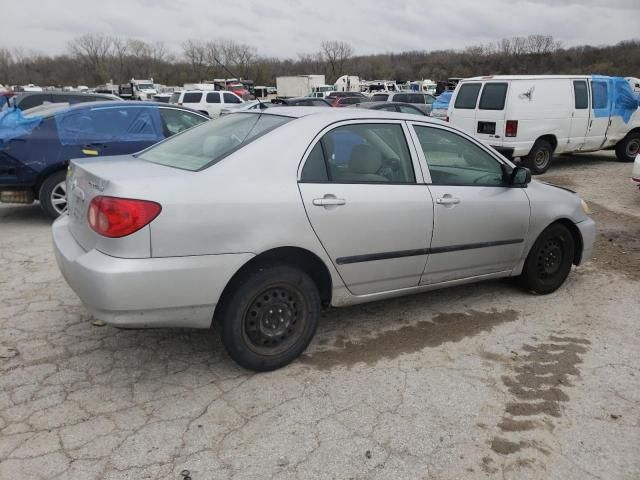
point(257, 221)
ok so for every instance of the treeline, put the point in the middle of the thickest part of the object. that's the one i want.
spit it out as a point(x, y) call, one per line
point(96, 59)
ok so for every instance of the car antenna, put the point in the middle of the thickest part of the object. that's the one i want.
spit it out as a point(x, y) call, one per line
point(233, 75)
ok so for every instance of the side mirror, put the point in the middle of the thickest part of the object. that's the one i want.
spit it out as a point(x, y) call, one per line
point(520, 177)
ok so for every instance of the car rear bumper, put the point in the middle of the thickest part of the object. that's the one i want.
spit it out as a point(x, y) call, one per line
point(144, 292)
point(588, 232)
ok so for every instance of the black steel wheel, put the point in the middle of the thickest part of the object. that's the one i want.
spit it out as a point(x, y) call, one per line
point(628, 148)
point(539, 158)
point(549, 261)
point(270, 317)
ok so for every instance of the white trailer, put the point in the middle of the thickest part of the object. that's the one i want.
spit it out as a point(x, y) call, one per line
point(298, 85)
point(348, 83)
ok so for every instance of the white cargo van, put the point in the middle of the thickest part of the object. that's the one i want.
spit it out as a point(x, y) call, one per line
point(534, 117)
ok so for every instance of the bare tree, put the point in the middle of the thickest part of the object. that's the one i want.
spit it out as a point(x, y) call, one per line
point(93, 49)
point(196, 54)
point(336, 53)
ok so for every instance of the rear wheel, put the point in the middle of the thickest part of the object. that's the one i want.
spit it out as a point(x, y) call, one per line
point(628, 147)
point(270, 317)
point(539, 158)
point(549, 261)
point(53, 195)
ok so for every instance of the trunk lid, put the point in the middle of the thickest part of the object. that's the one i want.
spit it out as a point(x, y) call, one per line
point(122, 176)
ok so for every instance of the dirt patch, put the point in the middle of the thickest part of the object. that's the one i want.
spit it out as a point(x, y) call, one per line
point(617, 246)
point(560, 180)
point(444, 327)
point(511, 425)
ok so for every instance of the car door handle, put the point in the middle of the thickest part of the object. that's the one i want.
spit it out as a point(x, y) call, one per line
point(328, 201)
point(447, 200)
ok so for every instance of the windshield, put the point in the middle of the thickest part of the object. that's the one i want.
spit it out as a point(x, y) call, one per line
point(206, 145)
point(145, 86)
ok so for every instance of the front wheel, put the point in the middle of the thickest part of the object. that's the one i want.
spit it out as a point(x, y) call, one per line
point(270, 318)
point(549, 261)
point(628, 147)
point(539, 158)
point(53, 195)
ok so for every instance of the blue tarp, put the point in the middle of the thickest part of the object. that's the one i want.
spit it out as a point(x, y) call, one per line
point(442, 102)
point(612, 96)
point(14, 124)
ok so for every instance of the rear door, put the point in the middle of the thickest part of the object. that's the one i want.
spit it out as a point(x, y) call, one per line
point(363, 193)
point(580, 116)
point(490, 121)
point(192, 100)
point(600, 114)
point(462, 108)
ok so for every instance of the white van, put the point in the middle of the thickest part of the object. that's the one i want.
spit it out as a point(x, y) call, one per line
point(207, 102)
point(535, 116)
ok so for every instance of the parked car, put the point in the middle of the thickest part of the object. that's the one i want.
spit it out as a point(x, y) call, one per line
point(635, 173)
point(35, 152)
point(258, 220)
point(207, 102)
point(536, 116)
point(27, 100)
point(347, 101)
point(246, 106)
point(301, 102)
point(392, 107)
point(423, 101)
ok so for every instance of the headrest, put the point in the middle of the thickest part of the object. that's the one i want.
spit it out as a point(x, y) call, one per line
point(365, 159)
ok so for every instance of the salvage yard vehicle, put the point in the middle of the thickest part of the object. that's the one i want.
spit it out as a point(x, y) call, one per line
point(420, 100)
point(534, 117)
point(301, 102)
point(392, 107)
point(207, 102)
point(27, 100)
point(257, 220)
point(35, 149)
point(635, 173)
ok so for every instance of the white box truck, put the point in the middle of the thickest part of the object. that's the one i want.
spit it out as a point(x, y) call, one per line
point(536, 116)
point(298, 85)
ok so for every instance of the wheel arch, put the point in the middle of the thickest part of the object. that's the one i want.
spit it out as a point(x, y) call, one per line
point(575, 233)
point(46, 173)
point(548, 138)
point(296, 257)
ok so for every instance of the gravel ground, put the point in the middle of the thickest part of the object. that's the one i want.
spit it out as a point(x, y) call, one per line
point(480, 381)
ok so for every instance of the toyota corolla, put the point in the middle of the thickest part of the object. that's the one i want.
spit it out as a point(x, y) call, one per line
point(259, 220)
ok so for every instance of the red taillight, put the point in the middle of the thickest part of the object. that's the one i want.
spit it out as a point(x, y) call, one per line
point(511, 128)
point(118, 217)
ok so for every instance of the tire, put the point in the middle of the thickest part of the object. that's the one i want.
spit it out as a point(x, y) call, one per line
point(270, 317)
point(549, 261)
point(539, 158)
point(628, 147)
point(53, 194)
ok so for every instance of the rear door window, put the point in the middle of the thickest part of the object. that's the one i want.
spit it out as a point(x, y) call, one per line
point(213, 97)
point(175, 121)
point(380, 97)
point(402, 97)
point(174, 97)
point(468, 96)
point(581, 95)
point(493, 96)
point(192, 97)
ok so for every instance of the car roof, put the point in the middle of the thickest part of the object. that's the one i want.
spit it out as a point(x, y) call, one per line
point(373, 105)
point(55, 108)
point(339, 114)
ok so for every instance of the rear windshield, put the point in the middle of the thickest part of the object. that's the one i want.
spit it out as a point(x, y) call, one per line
point(467, 96)
point(493, 96)
point(207, 144)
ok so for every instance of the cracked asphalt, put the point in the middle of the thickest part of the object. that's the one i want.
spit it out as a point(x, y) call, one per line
point(473, 382)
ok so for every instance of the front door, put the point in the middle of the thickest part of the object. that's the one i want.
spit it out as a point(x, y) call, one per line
point(361, 191)
point(600, 114)
point(480, 224)
point(580, 115)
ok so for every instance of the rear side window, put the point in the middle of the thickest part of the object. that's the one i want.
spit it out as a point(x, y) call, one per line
point(315, 169)
point(581, 95)
point(599, 95)
point(467, 96)
point(230, 98)
point(493, 96)
point(415, 98)
point(401, 97)
point(380, 97)
point(192, 97)
point(213, 97)
point(31, 101)
point(207, 144)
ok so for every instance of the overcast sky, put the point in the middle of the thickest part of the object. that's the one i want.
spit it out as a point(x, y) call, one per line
point(284, 28)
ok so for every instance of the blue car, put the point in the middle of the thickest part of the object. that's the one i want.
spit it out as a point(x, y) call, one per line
point(35, 148)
